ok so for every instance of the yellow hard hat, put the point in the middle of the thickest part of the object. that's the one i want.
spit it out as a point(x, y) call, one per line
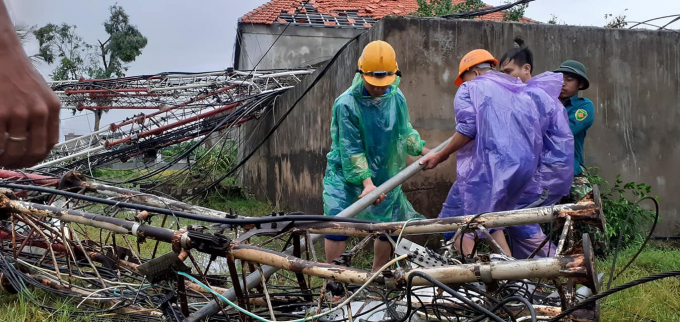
point(378, 64)
point(473, 59)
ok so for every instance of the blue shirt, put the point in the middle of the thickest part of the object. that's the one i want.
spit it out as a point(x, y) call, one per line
point(581, 114)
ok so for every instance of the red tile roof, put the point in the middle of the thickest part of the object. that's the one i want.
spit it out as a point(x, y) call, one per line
point(269, 12)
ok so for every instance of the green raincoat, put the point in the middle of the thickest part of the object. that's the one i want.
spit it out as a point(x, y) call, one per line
point(371, 137)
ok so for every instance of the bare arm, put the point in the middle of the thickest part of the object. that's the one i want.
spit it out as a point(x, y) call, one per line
point(457, 142)
point(29, 110)
point(368, 187)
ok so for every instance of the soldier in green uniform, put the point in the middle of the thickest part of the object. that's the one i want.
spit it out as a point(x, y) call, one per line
point(581, 114)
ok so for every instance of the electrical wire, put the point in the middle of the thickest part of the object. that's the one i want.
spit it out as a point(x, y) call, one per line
point(283, 117)
point(400, 234)
point(186, 215)
point(347, 301)
point(409, 284)
point(621, 233)
point(591, 300)
point(506, 300)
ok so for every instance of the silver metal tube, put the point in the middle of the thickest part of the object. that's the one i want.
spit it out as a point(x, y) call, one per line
point(82, 137)
point(569, 266)
point(390, 184)
point(151, 200)
point(68, 157)
point(252, 279)
point(563, 237)
point(586, 212)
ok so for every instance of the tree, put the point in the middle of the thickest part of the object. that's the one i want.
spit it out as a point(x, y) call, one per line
point(78, 59)
point(124, 44)
point(616, 22)
point(24, 33)
point(515, 13)
point(61, 45)
point(433, 8)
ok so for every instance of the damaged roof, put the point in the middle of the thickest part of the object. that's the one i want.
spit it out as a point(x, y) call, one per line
point(339, 13)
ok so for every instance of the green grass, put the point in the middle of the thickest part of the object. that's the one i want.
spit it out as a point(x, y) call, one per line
point(658, 300)
point(239, 205)
point(18, 307)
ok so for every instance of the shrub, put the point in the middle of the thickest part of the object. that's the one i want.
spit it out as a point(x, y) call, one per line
point(616, 204)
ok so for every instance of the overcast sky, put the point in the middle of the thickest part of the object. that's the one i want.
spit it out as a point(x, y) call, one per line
point(193, 36)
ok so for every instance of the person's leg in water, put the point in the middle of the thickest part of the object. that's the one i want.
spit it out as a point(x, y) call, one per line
point(382, 253)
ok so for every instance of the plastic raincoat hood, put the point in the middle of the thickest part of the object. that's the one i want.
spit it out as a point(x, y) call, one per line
point(556, 167)
point(370, 139)
point(497, 166)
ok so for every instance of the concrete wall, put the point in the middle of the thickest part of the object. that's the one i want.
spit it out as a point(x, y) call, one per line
point(635, 86)
point(298, 46)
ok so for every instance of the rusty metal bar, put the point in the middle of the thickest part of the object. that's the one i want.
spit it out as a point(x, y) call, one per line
point(587, 212)
point(298, 265)
point(252, 279)
point(182, 293)
point(559, 266)
point(233, 272)
point(297, 252)
point(115, 225)
point(563, 237)
point(150, 200)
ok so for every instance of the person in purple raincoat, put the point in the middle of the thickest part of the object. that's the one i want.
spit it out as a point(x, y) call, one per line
point(556, 168)
point(498, 140)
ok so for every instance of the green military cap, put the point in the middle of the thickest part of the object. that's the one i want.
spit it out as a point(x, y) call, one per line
point(574, 67)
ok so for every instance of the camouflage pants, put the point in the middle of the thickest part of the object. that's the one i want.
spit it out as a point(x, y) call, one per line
point(580, 187)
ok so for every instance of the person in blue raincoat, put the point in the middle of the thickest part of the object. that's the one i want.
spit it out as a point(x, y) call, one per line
point(371, 136)
point(498, 141)
point(556, 166)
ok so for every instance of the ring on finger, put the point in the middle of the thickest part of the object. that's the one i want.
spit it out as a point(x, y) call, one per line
point(14, 139)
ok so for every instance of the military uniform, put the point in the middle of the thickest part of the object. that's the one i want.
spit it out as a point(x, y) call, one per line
point(581, 113)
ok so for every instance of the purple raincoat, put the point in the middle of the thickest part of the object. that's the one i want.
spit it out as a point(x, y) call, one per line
point(556, 169)
point(495, 167)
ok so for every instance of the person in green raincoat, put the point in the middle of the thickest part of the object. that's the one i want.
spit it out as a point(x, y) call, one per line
point(371, 136)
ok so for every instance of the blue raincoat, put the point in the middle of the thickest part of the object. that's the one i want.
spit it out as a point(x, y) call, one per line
point(497, 166)
point(556, 168)
point(370, 139)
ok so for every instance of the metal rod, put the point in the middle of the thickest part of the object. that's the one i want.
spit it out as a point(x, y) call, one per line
point(151, 200)
point(563, 237)
point(115, 225)
point(66, 158)
point(492, 241)
point(586, 212)
point(266, 293)
point(565, 266)
point(211, 308)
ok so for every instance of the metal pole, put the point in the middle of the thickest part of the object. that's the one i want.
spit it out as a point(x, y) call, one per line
point(573, 265)
point(563, 237)
point(118, 226)
point(253, 279)
point(151, 200)
point(584, 212)
point(69, 157)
